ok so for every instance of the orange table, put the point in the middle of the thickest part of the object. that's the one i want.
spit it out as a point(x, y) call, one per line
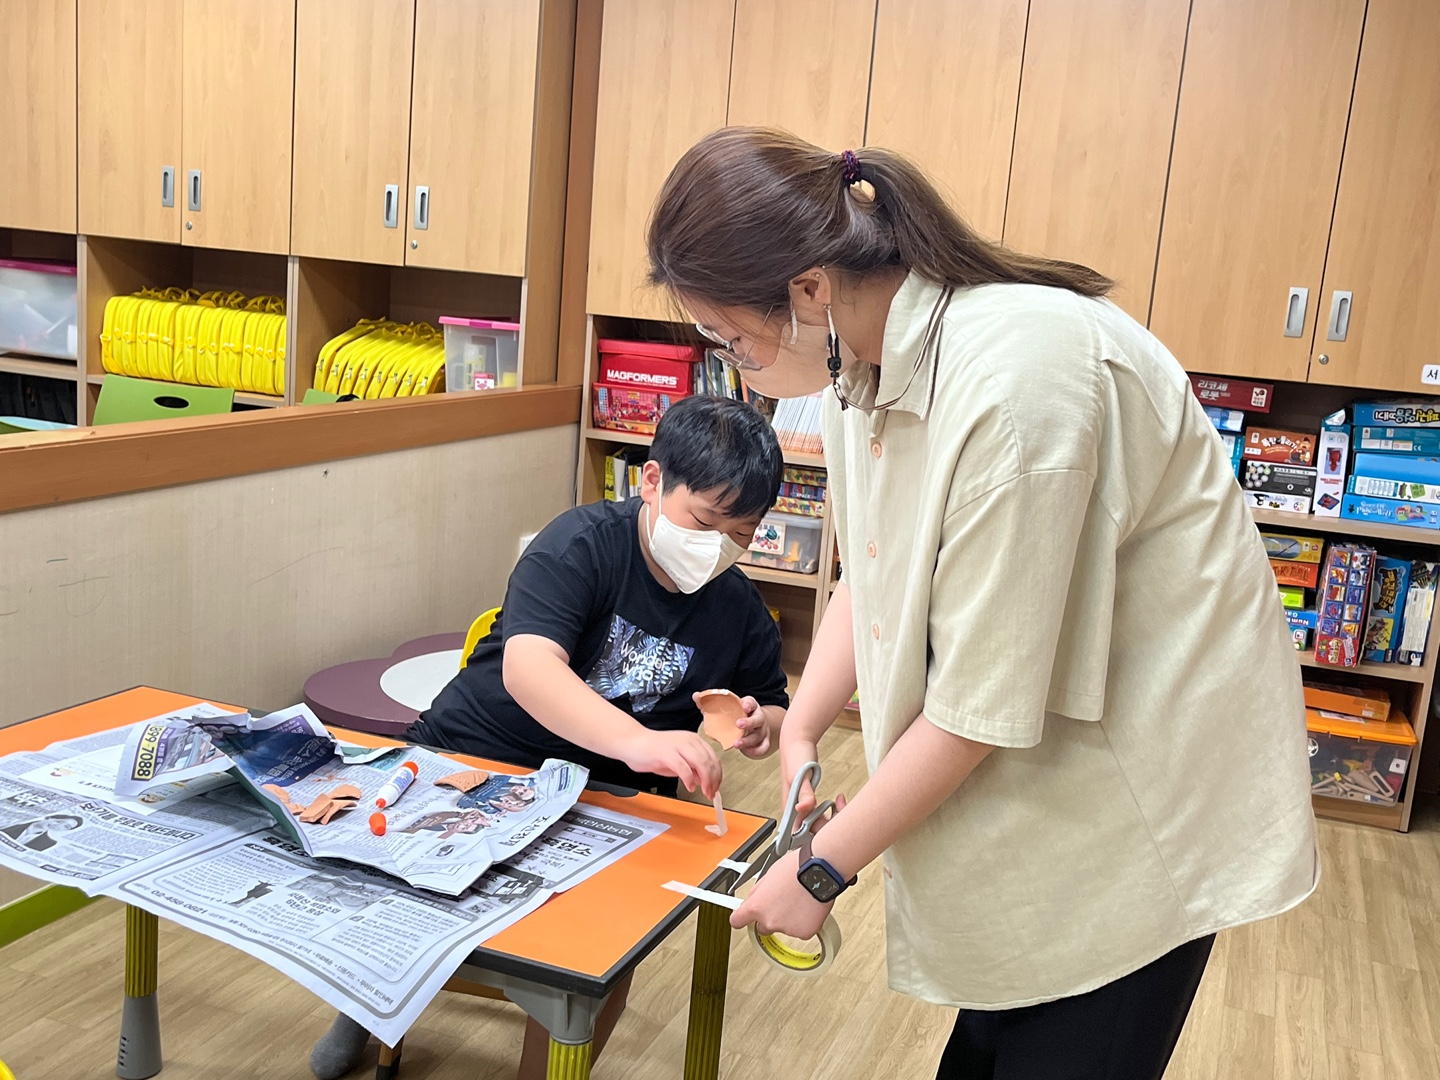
point(559, 963)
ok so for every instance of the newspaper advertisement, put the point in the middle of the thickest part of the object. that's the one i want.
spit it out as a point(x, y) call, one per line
point(89, 765)
point(371, 947)
point(181, 746)
point(70, 839)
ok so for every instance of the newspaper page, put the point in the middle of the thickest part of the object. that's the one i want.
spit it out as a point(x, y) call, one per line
point(69, 839)
point(371, 947)
point(436, 837)
point(178, 746)
point(89, 766)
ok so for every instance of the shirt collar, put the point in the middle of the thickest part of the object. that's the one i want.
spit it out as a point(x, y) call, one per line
point(905, 327)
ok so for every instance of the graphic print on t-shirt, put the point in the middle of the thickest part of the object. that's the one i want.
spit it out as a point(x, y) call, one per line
point(639, 664)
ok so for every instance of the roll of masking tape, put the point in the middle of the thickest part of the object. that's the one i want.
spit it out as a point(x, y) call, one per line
point(797, 961)
point(804, 960)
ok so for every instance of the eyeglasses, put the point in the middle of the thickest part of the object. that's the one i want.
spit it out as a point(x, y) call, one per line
point(725, 350)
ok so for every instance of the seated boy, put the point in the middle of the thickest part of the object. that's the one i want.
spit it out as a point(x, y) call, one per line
point(615, 616)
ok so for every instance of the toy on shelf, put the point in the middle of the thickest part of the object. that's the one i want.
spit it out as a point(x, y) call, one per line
point(1343, 603)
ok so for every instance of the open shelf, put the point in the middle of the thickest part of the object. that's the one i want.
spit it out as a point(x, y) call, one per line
point(629, 438)
point(1408, 534)
point(242, 397)
point(42, 368)
point(780, 577)
point(1394, 672)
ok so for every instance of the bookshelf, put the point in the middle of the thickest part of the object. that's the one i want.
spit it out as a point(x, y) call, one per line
point(1411, 688)
point(18, 364)
point(800, 598)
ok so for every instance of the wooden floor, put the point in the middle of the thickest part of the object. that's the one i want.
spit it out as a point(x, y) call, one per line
point(1347, 986)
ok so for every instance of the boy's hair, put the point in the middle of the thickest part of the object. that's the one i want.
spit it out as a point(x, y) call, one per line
point(714, 443)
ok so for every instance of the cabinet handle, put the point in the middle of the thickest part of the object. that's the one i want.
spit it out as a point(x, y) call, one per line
point(193, 187)
point(1339, 315)
point(392, 206)
point(1295, 308)
point(167, 186)
point(422, 206)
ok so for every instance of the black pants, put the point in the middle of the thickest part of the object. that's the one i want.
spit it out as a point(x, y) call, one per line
point(1125, 1030)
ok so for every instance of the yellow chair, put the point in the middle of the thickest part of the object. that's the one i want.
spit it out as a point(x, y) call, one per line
point(478, 629)
point(5, 1073)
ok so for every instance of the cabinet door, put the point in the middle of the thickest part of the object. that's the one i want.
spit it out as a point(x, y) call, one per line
point(239, 96)
point(37, 114)
point(803, 65)
point(947, 73)
point(1258, 138)
point(1092, 142)
point(129, 91)
point(472, 125)
point(1385, 242)
point(664, 79)
point(352, 130)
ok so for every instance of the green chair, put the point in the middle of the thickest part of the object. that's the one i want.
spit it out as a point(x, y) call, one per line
point(319, 397)
point(123, 399)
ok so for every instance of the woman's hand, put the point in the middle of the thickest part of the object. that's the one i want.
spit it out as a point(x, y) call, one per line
point(686, 755)
point(756, 742)
point(779, 904)
point(795, 754)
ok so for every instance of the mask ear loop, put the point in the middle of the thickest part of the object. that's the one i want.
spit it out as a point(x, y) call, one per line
point(794, 328)
point(834, 360)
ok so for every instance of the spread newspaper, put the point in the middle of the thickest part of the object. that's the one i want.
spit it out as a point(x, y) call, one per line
point(435, 837)
point(199, 849)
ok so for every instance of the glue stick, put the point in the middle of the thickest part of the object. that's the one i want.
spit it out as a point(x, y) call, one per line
point(400, 780)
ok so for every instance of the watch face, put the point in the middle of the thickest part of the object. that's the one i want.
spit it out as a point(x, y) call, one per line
point(819, 884)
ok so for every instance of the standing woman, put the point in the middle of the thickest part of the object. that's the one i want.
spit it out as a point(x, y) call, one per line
point(1083, 714)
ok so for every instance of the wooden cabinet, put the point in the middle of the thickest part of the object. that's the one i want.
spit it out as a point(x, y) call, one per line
point(37, 114)
point(1092, 140)
point(1382, 274)
point(804, 66)
point(352, 130)
point(1258, 140)
point(943, 92)
point(471, 124)
point(129, 118)
point(663, 83)
point(239, 95)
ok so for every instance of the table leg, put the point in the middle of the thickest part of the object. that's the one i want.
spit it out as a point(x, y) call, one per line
point(388, 1067)
point(568, 1061)
point(707, 993)
point(139, 1056)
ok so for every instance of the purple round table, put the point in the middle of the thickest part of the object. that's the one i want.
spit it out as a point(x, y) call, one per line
point(350, 695)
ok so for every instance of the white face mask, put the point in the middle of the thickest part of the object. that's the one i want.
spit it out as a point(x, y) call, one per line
point(691, 557)
point(800, 366)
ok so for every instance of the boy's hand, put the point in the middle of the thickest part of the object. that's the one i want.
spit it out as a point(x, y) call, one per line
point(755, 743)
point(686, 755)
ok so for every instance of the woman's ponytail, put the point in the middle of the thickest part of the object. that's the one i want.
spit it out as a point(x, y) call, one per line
point(745, 210)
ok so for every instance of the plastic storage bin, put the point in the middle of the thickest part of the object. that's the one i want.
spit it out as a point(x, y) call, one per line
point(37, 309)
point(480, 354)
point(786, 542)
point(1364, 760)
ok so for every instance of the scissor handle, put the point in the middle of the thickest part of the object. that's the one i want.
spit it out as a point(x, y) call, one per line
point(785, 833)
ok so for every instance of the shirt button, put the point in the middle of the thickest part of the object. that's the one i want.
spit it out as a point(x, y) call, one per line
point(875, 448)
point(875, 631)
point(870, 549)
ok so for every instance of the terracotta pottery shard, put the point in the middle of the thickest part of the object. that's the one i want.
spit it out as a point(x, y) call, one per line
point(466, 780)
point(722, 713)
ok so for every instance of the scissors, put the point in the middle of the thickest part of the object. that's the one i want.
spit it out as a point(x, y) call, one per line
point(787, 837)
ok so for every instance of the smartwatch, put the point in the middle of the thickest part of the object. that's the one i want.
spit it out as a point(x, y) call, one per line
point(817, 877)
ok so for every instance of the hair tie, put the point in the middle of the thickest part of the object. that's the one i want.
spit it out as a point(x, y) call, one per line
point(852, 168)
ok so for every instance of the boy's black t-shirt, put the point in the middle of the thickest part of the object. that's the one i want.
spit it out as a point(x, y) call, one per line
point(583, 583)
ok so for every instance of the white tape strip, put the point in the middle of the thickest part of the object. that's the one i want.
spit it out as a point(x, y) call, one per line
point(723, 899)
point(731, 864)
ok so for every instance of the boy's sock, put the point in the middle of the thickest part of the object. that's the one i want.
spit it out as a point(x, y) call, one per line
point(340, 1050)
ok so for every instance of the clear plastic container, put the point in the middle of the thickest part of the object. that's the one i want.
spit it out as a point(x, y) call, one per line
point(786, 542)
point(480, 354)
point(37, 309)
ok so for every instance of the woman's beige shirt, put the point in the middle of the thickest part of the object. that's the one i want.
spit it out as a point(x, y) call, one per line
point(1047, 551)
